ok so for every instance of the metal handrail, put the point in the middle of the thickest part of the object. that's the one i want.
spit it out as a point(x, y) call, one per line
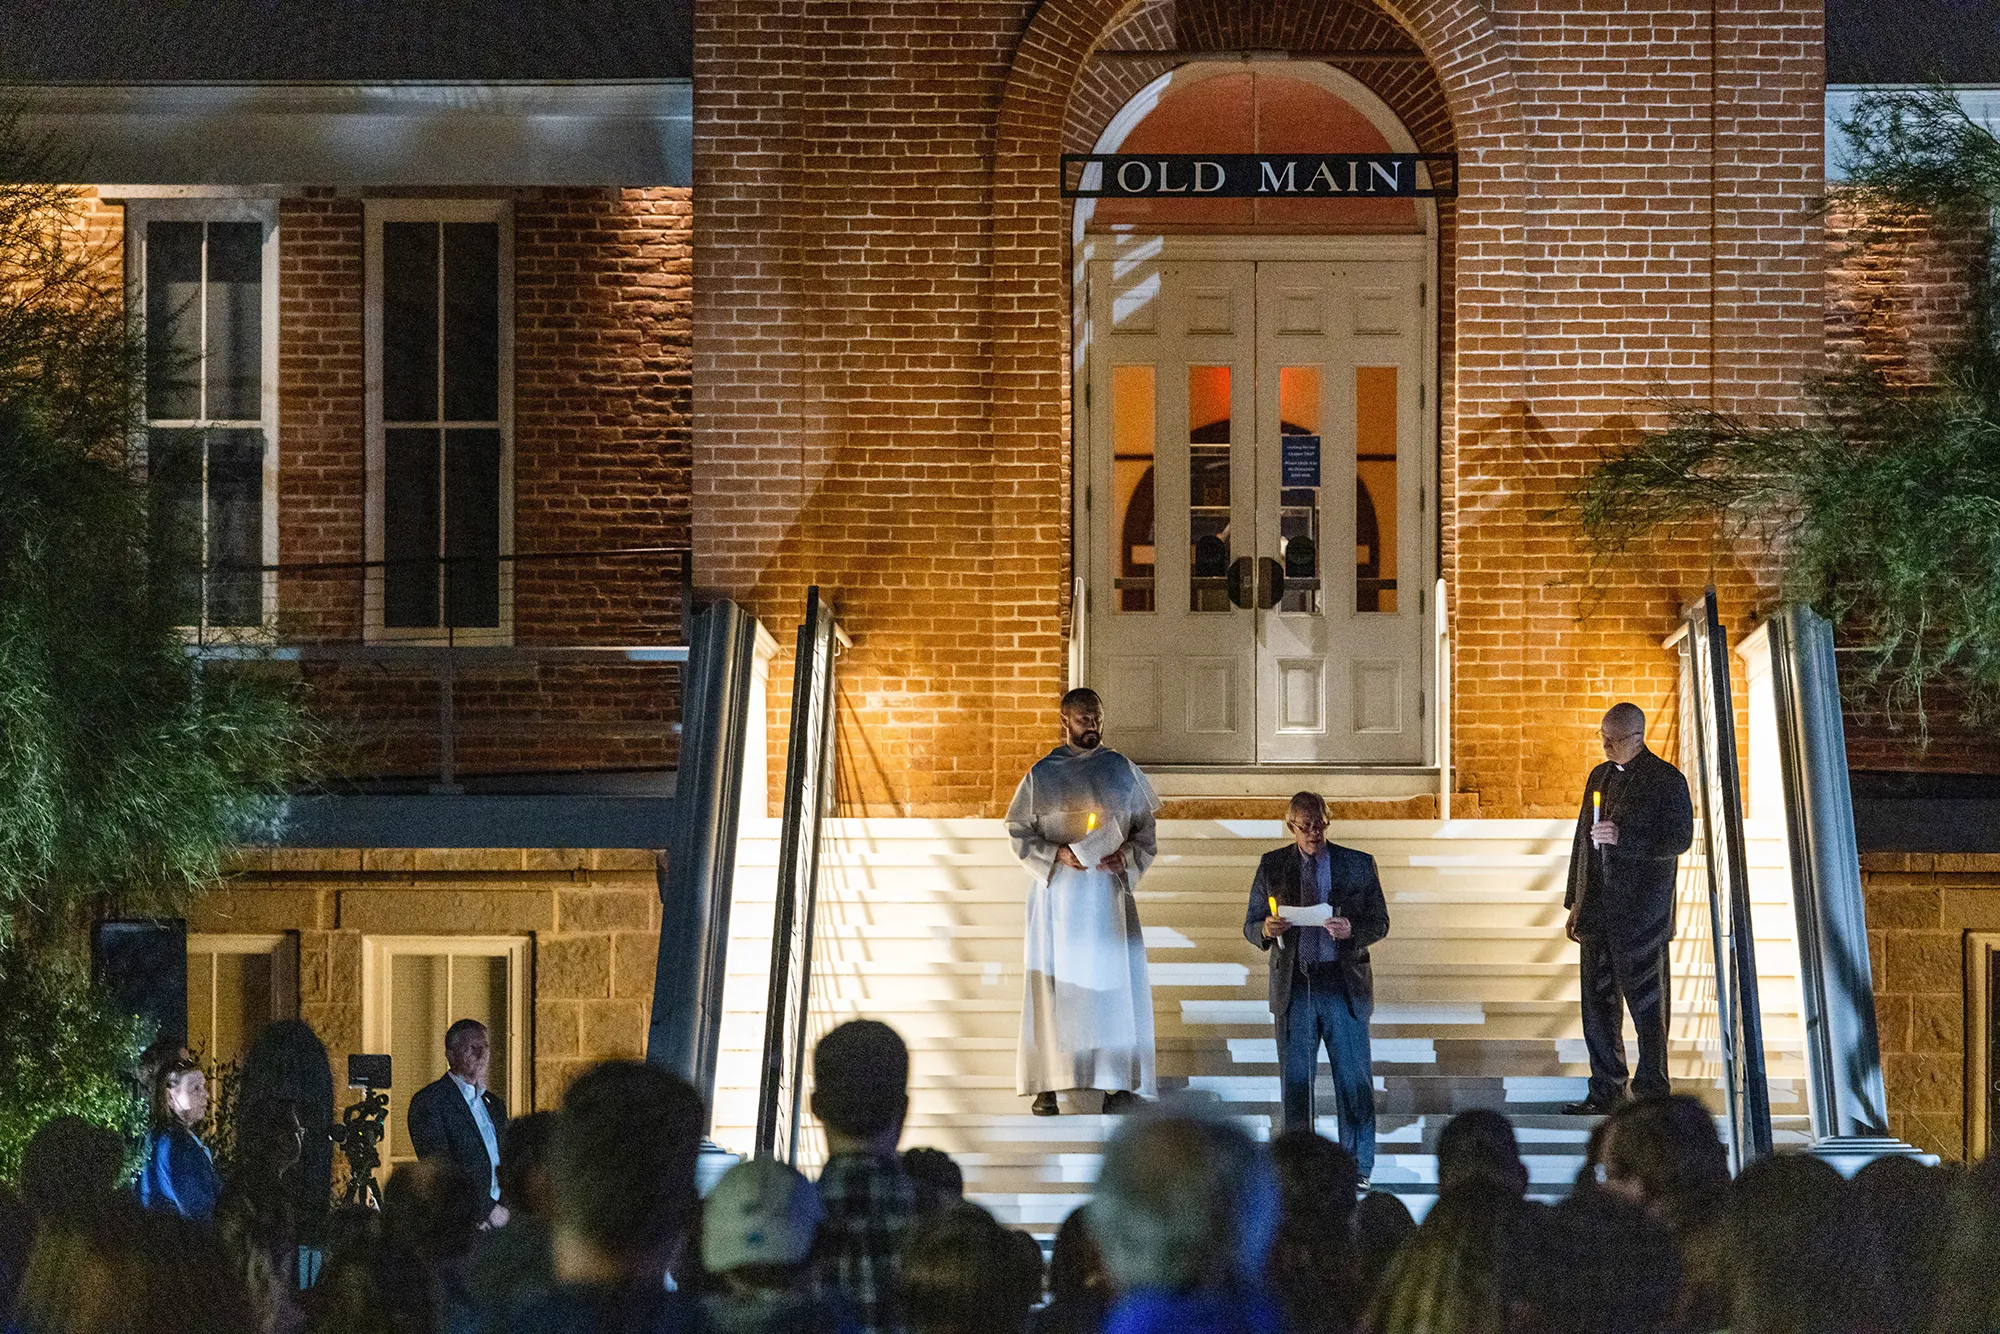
point(808, 795)
point(264, 632)
point(438, 648)
point(698, 877)
point(418, 654)
point(1837, 994)
point(1709, 736)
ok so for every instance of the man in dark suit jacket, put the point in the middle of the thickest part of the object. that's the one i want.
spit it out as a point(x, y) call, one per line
point(1635, 823)
point(1322, 988)
point(457, 1117)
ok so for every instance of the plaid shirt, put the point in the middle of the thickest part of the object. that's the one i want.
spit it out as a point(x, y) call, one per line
point(869, 1206)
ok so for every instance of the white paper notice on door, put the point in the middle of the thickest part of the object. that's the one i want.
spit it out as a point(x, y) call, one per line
point(1319, 914)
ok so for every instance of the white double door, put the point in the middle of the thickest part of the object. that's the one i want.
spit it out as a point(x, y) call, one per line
point(1256, 507)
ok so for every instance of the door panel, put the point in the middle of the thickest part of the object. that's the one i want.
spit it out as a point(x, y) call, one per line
point(1245, 412)
point(1338, 373)
point(1171, 390)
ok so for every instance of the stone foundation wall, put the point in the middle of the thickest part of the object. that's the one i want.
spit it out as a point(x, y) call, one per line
point(593, 917)
point(1920, 907)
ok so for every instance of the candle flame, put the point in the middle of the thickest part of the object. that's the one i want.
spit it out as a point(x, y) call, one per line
point(1090, 822)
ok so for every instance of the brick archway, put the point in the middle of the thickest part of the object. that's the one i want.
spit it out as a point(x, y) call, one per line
point(1031, 362)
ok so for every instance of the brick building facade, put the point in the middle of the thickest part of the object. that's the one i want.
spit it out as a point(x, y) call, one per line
point(858, 353)
point(602, 307)
point(883, 380)
point(555, 947)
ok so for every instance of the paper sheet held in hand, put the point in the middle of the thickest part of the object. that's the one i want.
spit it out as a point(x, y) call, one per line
point(1318, 914)
point(1100, 842)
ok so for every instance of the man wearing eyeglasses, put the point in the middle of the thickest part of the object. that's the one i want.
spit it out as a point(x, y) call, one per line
point(1635, 823)
point(1315, 908)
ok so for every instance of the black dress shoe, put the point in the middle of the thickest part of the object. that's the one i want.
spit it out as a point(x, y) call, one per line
point(1045, 1105)
point(1121, 1102)
point(1590, 1107)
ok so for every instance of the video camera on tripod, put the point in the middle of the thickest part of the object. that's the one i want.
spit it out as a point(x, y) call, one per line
point(362, 1127)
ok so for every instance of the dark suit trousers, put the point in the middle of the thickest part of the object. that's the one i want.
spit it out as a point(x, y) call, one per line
point(1613, 981)
point(1318, 1015)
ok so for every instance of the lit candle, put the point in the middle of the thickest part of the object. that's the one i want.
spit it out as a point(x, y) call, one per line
point(1089, 821)
point(1596, 807)
point(1273, 900)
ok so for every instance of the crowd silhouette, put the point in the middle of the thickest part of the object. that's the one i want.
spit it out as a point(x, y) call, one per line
point(1194, 1227)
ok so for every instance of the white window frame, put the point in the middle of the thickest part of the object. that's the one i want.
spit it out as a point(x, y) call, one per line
point(221, 208)
point(375, 213)
point(378, 956)
point(282, 947)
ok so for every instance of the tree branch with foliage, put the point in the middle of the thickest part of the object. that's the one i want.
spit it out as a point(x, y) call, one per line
point(1883, 506)
point(128, 771)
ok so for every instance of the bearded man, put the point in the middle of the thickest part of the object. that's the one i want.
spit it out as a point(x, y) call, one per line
point(1082, 823)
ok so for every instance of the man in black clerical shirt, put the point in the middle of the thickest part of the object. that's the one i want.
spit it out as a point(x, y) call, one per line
point(1322, 987)
point(1635, 823)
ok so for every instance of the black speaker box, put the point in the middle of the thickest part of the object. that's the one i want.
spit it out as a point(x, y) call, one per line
point(142, 962)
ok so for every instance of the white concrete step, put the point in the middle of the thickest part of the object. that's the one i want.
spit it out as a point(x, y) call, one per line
point(919, 924)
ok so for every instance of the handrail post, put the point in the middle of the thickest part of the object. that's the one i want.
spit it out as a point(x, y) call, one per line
point(1711, 722)
point(808, 792)
point(1442, 723)
point(696, 881)
point(1850, 1116)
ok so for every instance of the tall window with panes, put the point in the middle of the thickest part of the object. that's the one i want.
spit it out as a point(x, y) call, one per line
point(206, 443)
point(442, 487)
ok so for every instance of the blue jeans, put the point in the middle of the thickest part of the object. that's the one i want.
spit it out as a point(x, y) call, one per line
point(1318, 1015)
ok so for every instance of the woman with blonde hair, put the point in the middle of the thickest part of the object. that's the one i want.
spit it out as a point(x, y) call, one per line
point(1446, 1279)
point(125, 1270)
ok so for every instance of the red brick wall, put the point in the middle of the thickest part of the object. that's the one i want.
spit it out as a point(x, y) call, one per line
point(603, 300)
point(322, 462)
point(1901, 291)
point(842, 395)
point(882, 378)
point(603, 292)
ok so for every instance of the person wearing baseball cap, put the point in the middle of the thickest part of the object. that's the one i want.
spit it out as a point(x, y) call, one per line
point(757, 1230)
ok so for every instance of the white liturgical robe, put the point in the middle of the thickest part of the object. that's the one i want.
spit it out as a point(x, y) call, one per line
point(1087, 1007)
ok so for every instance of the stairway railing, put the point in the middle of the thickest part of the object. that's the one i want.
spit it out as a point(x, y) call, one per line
point(808, 795)
point(697, 878)
point(1708, 751)
point(1847, 1099)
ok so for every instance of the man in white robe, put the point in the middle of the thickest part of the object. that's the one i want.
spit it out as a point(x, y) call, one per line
point(1082, 823)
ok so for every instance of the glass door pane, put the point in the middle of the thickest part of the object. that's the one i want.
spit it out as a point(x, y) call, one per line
point(201, 1008)
point(1208, 488)
point(242, 1002)
point(1992, 1051)
point(1299, 487)
point(1134, 542)
point(1375, 488)
point(479, 991)
point(419, 1013)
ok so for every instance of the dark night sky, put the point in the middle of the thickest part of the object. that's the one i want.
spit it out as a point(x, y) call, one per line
point(148, 41)
point(1913, 41)
point(172, 41)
